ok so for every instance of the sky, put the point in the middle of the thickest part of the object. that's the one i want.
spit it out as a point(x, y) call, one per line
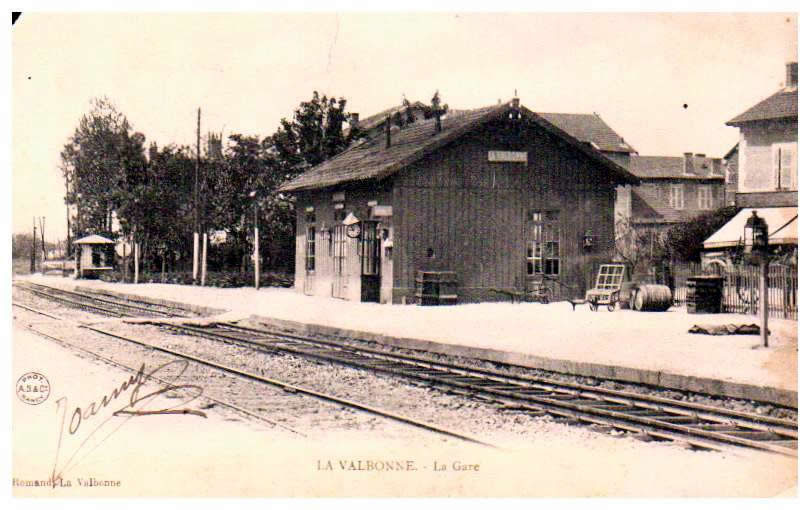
point(246, 71)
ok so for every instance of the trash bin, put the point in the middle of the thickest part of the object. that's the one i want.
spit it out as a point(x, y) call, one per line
point(704, 294)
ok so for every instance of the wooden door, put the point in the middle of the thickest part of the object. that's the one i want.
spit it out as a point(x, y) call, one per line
point(369, 262)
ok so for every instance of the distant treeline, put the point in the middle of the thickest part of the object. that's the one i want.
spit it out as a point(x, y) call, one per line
point(21, 245)
point(110, 174)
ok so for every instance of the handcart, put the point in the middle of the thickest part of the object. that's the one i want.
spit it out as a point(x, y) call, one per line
point(606, 290)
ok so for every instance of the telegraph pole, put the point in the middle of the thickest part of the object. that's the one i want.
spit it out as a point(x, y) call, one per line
point(196, 205)
point(42, 236)
point(34, 249)
point(763, 301)
point(256, 263)
point(67, 215)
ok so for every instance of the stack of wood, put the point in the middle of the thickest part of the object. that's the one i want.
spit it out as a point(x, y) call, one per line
point(704, 294)
point(436, 288)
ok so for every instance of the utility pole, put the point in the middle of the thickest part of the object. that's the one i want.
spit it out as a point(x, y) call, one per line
point(256, 267)
point(136, 252)
point(67, 215)
point(42, 236)
point(34, 249)
point(196, 204)
point(763, 301)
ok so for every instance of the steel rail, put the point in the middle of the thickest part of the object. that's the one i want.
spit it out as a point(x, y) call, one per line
point(71, 302)
point(154, 308)
point(689, 407)
point(627, 414)
point(297, 389)
point(72, 346)
point(629, 411)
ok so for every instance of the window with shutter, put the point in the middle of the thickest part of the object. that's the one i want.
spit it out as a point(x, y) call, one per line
point(784, 165)
point(704, 197)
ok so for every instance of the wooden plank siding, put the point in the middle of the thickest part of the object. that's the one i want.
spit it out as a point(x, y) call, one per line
point(319, 281)
point(474, 214)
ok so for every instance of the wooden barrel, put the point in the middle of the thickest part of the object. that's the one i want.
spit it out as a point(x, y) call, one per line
point(653, 298)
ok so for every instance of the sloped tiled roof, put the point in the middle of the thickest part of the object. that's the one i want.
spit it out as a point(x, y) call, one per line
point(672, 167)
point(372, 160)
point(589, 128)
point(93, 239)
point(783, 104)
point(647, 207)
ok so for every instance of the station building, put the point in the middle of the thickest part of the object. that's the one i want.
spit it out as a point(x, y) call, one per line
point(499, 197)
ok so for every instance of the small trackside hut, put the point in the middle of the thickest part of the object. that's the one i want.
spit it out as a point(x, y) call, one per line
point(496, 198)
point(94, 255)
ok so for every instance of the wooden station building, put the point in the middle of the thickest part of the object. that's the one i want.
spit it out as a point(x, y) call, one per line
point(499, 196)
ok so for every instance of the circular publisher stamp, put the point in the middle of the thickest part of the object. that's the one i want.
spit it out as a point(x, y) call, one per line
point(33, 388)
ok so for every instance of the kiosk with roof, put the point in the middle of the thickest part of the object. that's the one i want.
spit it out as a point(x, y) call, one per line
point(93, 256)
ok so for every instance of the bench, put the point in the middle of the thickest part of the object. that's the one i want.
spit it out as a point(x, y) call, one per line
point(535, 296)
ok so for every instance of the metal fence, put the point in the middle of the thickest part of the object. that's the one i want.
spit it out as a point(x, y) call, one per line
point(741, 291)
point(680, 274)
point(741, 288)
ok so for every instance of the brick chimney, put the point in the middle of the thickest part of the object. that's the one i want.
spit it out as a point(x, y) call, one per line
point(387, 131)
point(699, 163)
point(688, 163)
point(354, 120)
point(792, 75)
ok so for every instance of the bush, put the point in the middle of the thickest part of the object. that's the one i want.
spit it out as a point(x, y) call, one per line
point(224, 279)
point(685, 240)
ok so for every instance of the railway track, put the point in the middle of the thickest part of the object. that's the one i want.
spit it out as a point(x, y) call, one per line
point(661, 418)
point(110, 306)
point(110, 361)
point(291, 388)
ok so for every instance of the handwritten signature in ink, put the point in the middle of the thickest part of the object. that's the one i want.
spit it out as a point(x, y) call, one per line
point(134, 407)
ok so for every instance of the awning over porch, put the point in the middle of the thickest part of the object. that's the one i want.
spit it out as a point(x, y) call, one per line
point(783, 227)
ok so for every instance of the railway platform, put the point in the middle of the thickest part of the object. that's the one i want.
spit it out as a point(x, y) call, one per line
point(640, 347)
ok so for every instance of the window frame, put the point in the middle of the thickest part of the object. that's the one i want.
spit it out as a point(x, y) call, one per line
point(544, 243)
point(338, 247)
point(676, 196)
point(705, 197)
point(309, 254)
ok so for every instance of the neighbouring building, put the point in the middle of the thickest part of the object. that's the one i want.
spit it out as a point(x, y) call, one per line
point(589, 128)
point(731, 162)
point(767, 171)
point(672, 190)
point(499, 196)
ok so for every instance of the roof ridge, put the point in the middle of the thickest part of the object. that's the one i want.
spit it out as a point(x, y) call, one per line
point(769, 108)
point(374, 161)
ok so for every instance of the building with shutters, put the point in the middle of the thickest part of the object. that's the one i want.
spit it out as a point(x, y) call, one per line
point(499, 197)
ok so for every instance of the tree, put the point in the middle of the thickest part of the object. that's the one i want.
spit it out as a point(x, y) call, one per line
point(685, 240)
point(315, 134)
point(436, 106)
point(98, 161)
point(637, 247)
